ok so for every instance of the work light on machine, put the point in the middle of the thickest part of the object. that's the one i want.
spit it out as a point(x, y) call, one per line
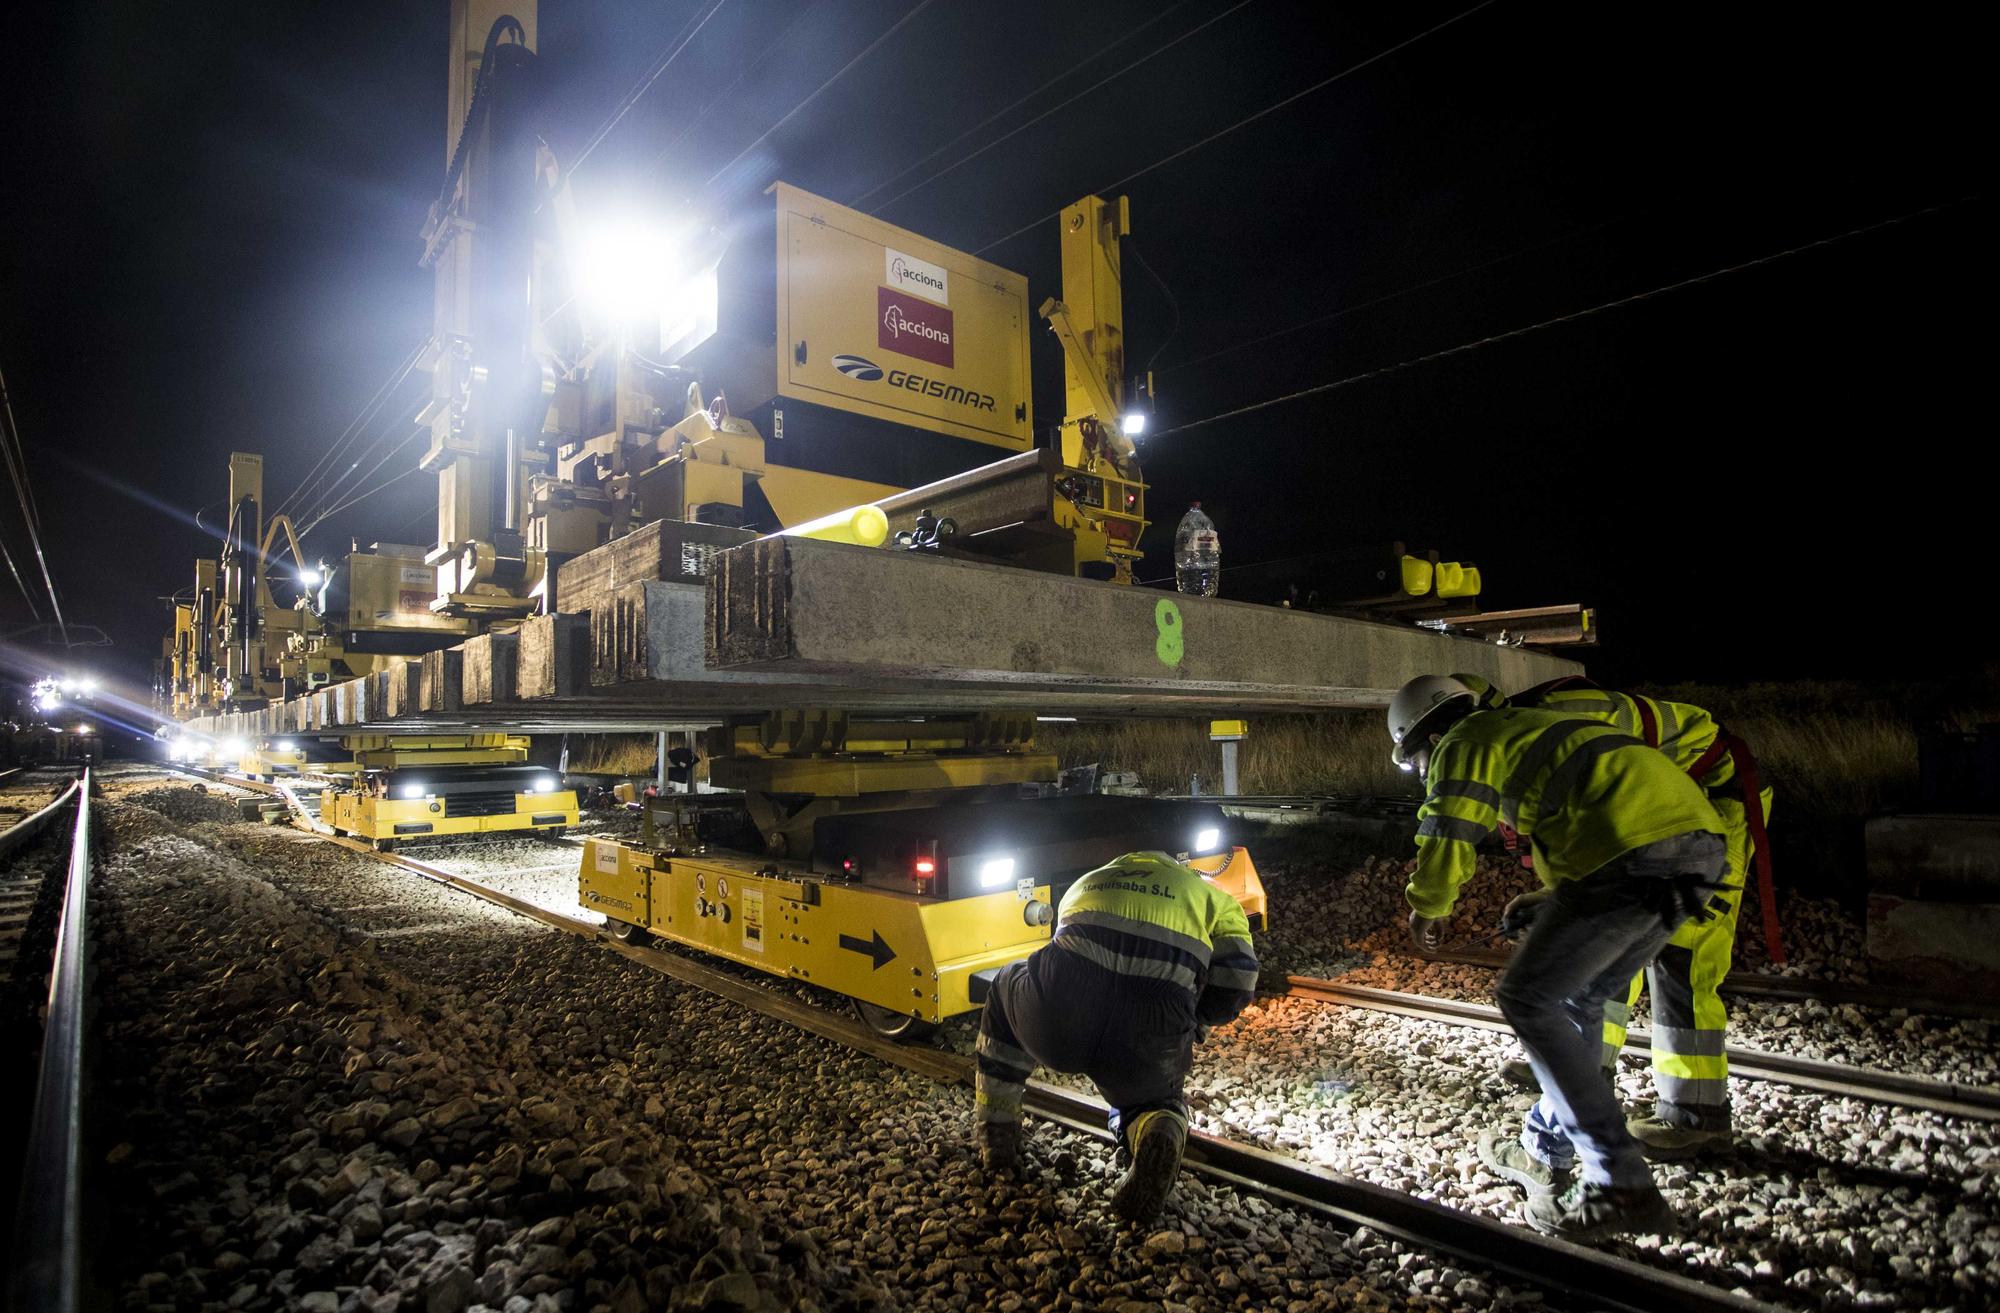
point(995, 872)
point(541, 784)
point(411, 791)
point(1132, 423)
point(1206, 840)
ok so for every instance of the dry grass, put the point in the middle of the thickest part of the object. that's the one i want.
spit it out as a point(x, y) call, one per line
point(1337, 752)
point(1834, 753)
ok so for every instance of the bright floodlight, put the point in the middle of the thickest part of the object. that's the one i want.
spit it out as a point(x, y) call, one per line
point(1132, 423)
point(995, 871)
point(1206, 839)
point(310, 577)
point(627, 271)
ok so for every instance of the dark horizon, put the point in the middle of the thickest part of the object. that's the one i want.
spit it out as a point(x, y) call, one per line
point(214, 246)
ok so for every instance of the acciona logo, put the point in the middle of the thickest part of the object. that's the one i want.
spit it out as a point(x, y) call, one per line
point(913, 327)
point(906, 273)
point(896, 323)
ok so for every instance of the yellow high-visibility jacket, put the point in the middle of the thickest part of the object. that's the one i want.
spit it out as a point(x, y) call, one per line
point(1579, 791)
point(1148, 916)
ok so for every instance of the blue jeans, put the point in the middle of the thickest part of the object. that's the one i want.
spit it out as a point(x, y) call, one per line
point(1591, 938)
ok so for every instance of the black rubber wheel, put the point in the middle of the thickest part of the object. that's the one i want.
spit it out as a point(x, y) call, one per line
point(385, 845)
point(898, 1026)
point(552, 833)
point(627, 933)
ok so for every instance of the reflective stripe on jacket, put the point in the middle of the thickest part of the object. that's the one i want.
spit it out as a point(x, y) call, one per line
point(1579, 791)
point(1147, 916)
point(1681, 730)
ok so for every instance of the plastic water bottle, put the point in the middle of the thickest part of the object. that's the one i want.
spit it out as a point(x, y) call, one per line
point(1197, 554)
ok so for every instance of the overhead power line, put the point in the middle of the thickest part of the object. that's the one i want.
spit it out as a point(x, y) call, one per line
point(363, 417)
point(1569, 318)
point(1018, 129)
point(870, 49)
point(1386, 297)
point(17, 469)
point(1246, 121)
point(653, 74)
point(722, 96)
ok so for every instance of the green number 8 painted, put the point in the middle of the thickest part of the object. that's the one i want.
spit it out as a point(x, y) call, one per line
point(1170, 646)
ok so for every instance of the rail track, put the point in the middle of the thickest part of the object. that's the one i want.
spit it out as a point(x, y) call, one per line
point(1843, 1079)
point(1600, 1279)
point(46, 1271)
point(1791, 989)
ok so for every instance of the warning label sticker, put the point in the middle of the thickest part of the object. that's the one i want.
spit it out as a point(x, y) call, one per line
point(753, 920)
point(607, 859)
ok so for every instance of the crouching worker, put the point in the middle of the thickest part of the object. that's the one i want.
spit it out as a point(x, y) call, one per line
point(1629, 848)
point(1145, 952)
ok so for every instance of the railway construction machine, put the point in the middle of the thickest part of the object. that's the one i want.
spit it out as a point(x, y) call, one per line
point(645, 401)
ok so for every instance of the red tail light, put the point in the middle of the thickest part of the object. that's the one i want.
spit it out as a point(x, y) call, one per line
point(925, 866)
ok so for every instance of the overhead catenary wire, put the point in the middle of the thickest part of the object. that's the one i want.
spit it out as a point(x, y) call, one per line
point(653, 74)
point(723, 95)
point(363, 417)
point(818, 91)
point(17, 469)
point(1053, 109)
point(358, 498)
point(1386, 297)
point(1569, 318)
point(326, 511)
point(1247, 120)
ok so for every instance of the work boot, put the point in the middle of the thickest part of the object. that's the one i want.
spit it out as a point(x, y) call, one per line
point(1587, 1212)
point(1518, 1071)
point(1506, 1155)
point(1663, 1141)
point(1000, 1145)
point(1157, 1139)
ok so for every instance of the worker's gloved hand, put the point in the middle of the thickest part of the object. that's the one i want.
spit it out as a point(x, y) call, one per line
point(1428, 931)
point(1521, 912)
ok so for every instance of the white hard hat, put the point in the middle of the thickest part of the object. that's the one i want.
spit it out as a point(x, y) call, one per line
point(1420, 700)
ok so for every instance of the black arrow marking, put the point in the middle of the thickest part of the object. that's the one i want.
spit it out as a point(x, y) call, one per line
point(879, 950)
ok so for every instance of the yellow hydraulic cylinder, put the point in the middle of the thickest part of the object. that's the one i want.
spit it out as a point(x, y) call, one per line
point(864, 526)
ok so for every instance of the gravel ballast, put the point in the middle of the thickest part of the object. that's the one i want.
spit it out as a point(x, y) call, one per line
point(343, 1088)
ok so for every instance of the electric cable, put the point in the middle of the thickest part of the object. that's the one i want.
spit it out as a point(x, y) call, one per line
point(723, 95)
point(17, 468)
point(1569, 318)
point(870, 49)
point(653, 74)
point(1245, 122)
point(1020, 128)
point(1173, 306)
point(362, 418)
point(342, 487)
point(1386, 297)
point(358, 498)
point(26, 594)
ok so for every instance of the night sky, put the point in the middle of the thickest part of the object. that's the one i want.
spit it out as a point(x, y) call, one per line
point(211, 236)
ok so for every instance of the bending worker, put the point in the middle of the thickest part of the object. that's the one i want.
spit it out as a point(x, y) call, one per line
point(1690, 1058)
point(1627, 848)
point(1145, 951)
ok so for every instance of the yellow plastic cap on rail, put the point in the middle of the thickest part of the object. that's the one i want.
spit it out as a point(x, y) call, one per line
point(1416, 576)
point(1455, 580)
point(864, 526)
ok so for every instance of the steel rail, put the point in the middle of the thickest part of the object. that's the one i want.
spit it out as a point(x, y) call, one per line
point(29, 826)
point(1800, 989)
point(1948, 1098)
point(1606, 1280)
point(48, 1234)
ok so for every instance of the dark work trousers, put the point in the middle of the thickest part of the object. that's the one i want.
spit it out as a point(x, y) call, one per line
point(1133, 1038)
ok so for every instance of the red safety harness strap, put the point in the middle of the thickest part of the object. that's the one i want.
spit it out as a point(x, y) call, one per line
point(1760, 841)
point(1649, 721)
